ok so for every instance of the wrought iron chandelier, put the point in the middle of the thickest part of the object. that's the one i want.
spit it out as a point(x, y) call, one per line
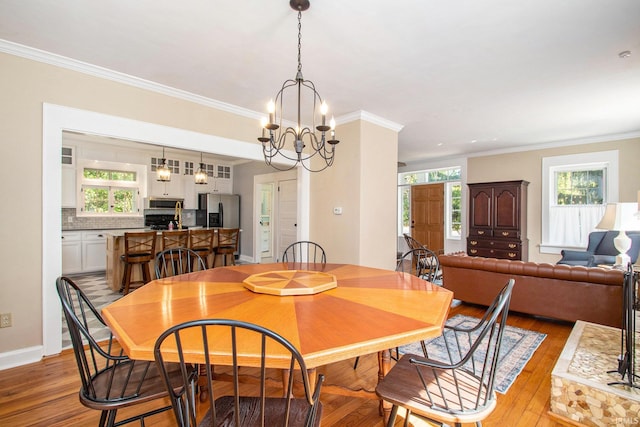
point(275, 137)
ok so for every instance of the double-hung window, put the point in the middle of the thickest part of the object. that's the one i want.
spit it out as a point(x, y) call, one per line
point(576, 189)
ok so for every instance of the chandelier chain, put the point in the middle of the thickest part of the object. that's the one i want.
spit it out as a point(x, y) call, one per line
point(299, 40)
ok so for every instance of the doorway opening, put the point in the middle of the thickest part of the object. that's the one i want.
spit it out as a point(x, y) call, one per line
point(276, 214)
point(56, 120)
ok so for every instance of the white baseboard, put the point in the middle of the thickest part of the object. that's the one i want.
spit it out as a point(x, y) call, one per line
point(246, 259)
point(23, 356)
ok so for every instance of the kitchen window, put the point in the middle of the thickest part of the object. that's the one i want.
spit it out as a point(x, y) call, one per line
point(110, 189)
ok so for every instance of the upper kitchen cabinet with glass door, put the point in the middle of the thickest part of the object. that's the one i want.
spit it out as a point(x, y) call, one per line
point(173, 187)
point(68, 160)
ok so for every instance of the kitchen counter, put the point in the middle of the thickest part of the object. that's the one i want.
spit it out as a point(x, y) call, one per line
point(120, 231)
point(115, 248)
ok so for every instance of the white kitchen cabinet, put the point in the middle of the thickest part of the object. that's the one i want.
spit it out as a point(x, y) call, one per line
point(191, 190)
point(94, 251)
point(71, 252)
point(68, 199)
point(173, 188)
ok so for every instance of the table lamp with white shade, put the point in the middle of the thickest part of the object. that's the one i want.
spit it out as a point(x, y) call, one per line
point(620, 217)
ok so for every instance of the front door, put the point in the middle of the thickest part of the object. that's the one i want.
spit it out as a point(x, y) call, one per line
point(427, 215)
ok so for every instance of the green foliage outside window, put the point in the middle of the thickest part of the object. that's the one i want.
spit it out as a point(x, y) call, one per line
point(115, 194)
point(456, 209)
point(584, 187)
point(124, 201)
point(96, 199)
point(109, 175)
point(406, 207)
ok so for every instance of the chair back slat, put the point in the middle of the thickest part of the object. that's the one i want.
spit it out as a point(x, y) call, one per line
point(420, 262)
point(454, 386)
point(176, 261)
point(175, 239)
point(228, 344)
point(462, 344)
point(110, 380)
point(304, 251)
point(139, 244)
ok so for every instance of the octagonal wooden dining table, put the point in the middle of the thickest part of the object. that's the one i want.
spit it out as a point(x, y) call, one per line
point(365, 310)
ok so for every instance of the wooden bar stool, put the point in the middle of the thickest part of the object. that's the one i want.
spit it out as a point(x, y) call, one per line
point(139, 249)
point(227, 244)
point(201, 242)
point(175, 239)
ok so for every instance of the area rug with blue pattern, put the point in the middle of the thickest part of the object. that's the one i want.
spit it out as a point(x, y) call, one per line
point(518, 346)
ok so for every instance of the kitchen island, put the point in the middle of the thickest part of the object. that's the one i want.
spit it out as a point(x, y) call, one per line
point(115, 248)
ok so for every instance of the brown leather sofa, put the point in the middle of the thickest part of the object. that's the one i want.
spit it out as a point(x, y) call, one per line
point(564, 292)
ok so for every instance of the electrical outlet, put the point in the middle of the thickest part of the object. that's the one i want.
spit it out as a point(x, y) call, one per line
point(5, 320)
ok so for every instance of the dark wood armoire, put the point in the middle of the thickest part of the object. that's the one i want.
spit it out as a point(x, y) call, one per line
point(498, 220)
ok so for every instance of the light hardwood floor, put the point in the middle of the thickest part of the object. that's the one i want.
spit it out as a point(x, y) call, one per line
point(46, 393)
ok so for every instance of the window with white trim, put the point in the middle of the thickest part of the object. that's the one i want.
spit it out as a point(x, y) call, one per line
point(453, 222)
point(110, 189)
point(576, 189)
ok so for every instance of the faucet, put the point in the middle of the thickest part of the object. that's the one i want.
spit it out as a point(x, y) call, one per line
point(178, 215)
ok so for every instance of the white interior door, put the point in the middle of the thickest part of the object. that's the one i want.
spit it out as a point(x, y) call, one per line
point(287, 221)
point(275, 214)
point(267, 197)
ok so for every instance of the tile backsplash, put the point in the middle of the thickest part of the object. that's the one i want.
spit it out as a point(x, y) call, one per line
point(71, 222)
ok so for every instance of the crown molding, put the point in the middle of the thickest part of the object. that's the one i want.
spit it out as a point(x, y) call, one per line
point(558, 143)
point(371, 118)
point(105, 73)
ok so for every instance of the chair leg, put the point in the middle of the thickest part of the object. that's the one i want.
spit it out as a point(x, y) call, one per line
point(355, 364)
point(112, 418)
point(146, 273)
point(126, 279)
point(392, 416)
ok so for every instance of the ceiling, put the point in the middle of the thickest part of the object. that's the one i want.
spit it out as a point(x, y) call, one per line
point(460, 77)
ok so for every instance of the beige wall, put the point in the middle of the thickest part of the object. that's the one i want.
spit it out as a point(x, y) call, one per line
point(363, 184)
point(26, 85)
point(527, 165)
point(378, 191)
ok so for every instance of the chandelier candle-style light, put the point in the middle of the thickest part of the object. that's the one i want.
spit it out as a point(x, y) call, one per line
point(274, 136)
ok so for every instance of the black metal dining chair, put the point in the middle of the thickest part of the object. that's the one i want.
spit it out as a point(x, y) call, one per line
point(423, 263)
point(110, 380)
point(420, 262)
point(254, 403)
point(458, 388)
point(304, 251)
point(175, 261)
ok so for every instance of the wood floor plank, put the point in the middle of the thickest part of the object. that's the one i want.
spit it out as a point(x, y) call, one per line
point(46, 393)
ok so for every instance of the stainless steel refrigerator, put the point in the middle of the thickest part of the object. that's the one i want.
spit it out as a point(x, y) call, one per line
point(222, 210)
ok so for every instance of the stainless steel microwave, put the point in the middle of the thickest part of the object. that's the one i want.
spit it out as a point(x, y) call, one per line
point(162, 202)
